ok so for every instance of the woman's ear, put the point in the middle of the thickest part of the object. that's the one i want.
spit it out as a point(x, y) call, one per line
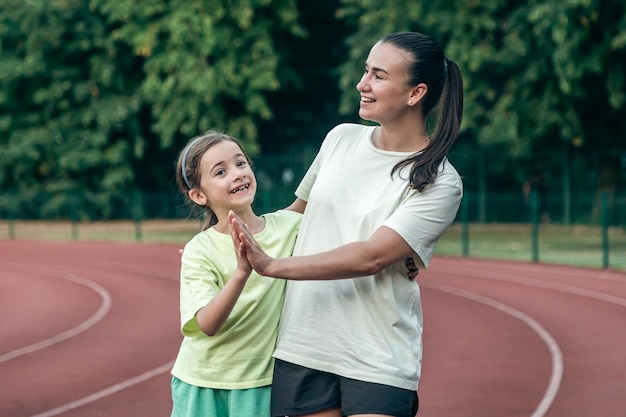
point(197, 196)
point(417, 94)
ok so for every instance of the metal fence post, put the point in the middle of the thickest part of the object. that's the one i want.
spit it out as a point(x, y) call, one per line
point(567, 185)
point(11, 225)
point(604, 216)
point(534, 230)
point(74, 215)
point(482, 188)
point(465, 226)
point(137, 212)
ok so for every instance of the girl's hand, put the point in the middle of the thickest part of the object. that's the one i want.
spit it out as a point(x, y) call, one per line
point(247, 245)
point(240, 251)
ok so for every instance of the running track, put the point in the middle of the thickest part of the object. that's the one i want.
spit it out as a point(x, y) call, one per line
point(91, 329)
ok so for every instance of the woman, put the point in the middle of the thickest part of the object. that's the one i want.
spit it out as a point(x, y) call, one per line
point(350, 334)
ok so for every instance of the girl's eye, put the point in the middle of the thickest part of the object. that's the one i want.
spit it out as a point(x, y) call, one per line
point(241, 163)
point(219, 172)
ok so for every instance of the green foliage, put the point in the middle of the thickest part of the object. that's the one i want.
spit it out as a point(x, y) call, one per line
point(306, 106)
point(207, 64)
point(65, 109)
point(98, 96)
point(93, 92)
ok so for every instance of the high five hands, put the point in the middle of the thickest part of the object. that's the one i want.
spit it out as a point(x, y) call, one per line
point(247, 246)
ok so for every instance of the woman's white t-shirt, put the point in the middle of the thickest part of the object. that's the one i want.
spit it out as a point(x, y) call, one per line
point(367, 328)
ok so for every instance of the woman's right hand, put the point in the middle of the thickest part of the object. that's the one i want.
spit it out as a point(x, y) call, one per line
point(246, 245)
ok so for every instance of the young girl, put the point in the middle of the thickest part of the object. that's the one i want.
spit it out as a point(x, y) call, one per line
point(229, 314)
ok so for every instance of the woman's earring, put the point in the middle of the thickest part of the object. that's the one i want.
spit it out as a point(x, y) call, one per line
point(410, 102)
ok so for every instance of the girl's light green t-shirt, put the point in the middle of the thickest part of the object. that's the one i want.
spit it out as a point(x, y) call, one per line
point(239, 356)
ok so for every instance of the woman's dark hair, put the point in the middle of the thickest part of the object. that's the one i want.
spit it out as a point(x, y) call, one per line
point(188, 173)
point(445, 92)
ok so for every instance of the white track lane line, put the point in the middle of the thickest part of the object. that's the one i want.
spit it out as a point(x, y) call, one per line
point(555, 351)
point(105, 306)
point(546, 268)
point(102, 311)
point(533, 282)
point(107, 391)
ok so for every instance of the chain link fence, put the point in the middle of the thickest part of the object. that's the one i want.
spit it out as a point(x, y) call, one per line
point(589, 231)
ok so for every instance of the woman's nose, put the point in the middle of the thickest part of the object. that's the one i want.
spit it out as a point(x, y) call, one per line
point(362, 85)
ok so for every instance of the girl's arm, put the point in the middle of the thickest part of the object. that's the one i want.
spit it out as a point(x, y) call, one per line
point(382, 249)
point(298, 205)
point(213, 315)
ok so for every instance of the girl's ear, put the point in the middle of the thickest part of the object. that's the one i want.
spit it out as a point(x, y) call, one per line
point(417, 93)
point(197, 196)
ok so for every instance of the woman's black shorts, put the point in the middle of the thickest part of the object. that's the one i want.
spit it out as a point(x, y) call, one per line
point(298, 390)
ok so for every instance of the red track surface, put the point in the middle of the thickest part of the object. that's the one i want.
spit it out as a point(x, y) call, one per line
point(91, 329)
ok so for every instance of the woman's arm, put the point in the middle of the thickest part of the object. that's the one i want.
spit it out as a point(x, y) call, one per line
point(384, 248)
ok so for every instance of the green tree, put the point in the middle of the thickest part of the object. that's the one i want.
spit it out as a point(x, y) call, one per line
point(540, 76)
point(207, 63)
point(65, 107)
point(306, 106)
point(97, 96)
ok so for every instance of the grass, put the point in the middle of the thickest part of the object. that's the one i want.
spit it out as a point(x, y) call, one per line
point(149, 231)
point(558, 244)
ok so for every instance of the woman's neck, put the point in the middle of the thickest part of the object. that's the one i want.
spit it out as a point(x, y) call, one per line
point(400, 139)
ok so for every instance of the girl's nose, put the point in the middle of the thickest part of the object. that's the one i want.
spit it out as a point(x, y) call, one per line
point(239, 173)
